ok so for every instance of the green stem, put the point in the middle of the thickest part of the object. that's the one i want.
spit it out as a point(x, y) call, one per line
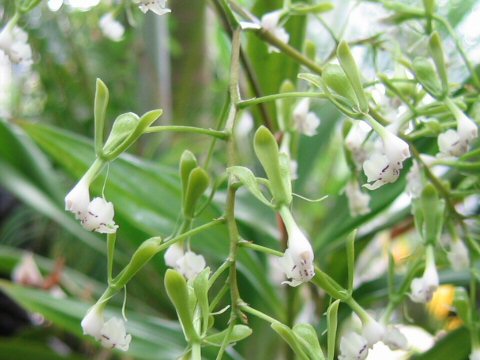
point(217, 273)
point(110, 255)
point(258, 314)
point(360, 311)
point(289, 51)
point(94, 170)
point(196, 351)
point(188, 129)
point(266, 250)
point(300, 94)
point(234, 239)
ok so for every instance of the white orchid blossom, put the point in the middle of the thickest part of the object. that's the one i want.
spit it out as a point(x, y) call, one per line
point(297, 261)
point(188, 263)
point(384, 169)
point(269, 22)
point(456, 142)
point(422, 289)
point(394, 339)
point(112, 334)
point(353, 347)
point(99, 217)
point(373, 332)
point(357, 200)
point(474, 355)
point(78, 199)
point(158, 7)
point(111, 28)
point(13, 43)
point(306, 122)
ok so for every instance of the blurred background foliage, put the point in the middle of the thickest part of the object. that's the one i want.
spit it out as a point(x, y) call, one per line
point(177, 62)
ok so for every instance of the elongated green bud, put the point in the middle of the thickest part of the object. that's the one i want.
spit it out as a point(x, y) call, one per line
point(99, 111)
point(188, 162)
point(278, 172)
point(239, 332)
point(427, 76)
point(348, 64)
point(437, 52)
point(290, 338)
point(123, 126)
point(432, 208)
point(308, 339)
point(177, 292)
point(335, 78)
point(198, 182)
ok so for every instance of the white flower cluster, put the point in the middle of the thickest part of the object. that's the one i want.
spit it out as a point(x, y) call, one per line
point(13, 43)
point(354, 346)
point(112, 334)
point(96, 215)
point(158, 7)
point(187, 263)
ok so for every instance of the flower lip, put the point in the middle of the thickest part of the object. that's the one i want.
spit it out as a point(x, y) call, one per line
point(114, 335)
point(99, 217)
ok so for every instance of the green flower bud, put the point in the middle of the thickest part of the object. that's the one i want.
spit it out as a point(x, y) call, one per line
point(188, 162)
point(332, 322)
point(334, 77)
point(305, 9)
point(177, 291)
point(290, 338)
point(141, 257)
point(123, 126)
point(432, 208)
point(307, 337)
point(426, 75)
point(436, 50)
point(275, 166)
point(198, 182)
point(350, 68)
point(99, 111)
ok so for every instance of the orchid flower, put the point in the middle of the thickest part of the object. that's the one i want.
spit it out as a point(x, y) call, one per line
point(99, 217)
point(306, 122)
point(111, 28)
point(156, 6)
point(187, 263)
point(13, 42)
point(353, 347)
point(422, 289)
point(269, 22)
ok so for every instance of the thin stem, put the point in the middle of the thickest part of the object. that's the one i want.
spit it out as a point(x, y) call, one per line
point(188, 129)
point(266, 250)
point(258, 314)
point(196, 351)
point(234, 239)
point(110, 255)
point(300, 94)
point(217, 273)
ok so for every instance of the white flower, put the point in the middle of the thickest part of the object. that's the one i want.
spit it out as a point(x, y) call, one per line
point(458, 255)
point(353, 347)
point(99, 217)
point(156, 6)
point(394, 339)
point(373, 332)
point(187, 263)
point(111, 28)
point(26, 272)
point(191, 264)
point(297, 261)
point(475, 355)
point(305, 122)
point(111, 334)
point(414, 181)
point(378, 169)
point(93, 322)
point(422, 289)
point(355, 139)
point(357, 200)
point(114, 335)
point(13, 42)
point(269, 23)
point(78, 199)
point(456, 143)
point(173, 254)
point(386, 168)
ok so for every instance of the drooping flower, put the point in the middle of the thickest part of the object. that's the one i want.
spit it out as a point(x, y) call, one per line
point(458, 255)
point(306, 122)
point(383, 169)
point(13, 42)
point(189, 264)
point(456, 143)
point(357, 200)
point(93, 321)
point(156, 6)
point(353, 347)
point(297, 261)
point(355, 140)
point(99, 217)
point(113, 335)
point(394, 339)
point(78, 199)
point(111, 28)
point(27, 272)
point(373, 332)
point(269, 23)
point(422, 289)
